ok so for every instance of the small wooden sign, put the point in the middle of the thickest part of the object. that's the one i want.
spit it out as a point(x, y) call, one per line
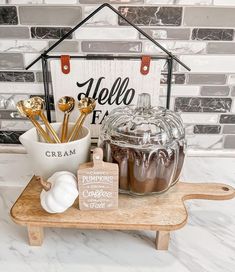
point(98, 184)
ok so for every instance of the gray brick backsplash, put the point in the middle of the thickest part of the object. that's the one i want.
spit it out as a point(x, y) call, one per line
point(228, 129)
point(176, 47)
point(10, 114)
point(11, 61)
point(209, 16)
point(233, 91)
point(14, 33)
point(199, 32)
point(40, 78)
point(212, 34)
point(215, 79)
point(229, 141)
point(207, 129)
point(49, 32)
point(169, 16)
point(8, 15)
point(8, 101)
point(103, 17)
point(65, 46)
point(10, 137)
point(215, 90)
point(167, 33)
point(202, 104)
point(221, 48)
point(227, 119)
point(8, 76)
point(208, 142)
point(176, 79)
point(50, 15)
point(112, 46)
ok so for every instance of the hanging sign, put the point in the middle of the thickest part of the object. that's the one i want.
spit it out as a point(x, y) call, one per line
point(112, 83)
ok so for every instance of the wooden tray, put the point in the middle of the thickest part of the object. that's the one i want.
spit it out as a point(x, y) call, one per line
point(160, 213)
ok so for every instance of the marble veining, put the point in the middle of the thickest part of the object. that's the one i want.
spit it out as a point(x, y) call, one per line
point(169, 16)
point(49, 32)
point(202, 104)
point(207, 129)
point(227, 119)
point(205, 244)
point(17, 76)
point(8, 15)
point(8, 101)
point(212, 34)
point(10, 137)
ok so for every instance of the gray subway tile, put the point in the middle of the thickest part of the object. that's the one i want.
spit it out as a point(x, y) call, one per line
point(11, 114)
point(220, 48)
point(10, 137)
point(233, 91)
point(11, 61)
point(176, 78)
point(14, 32)
point(65, 46)
point(209, 16)
point(207, 129)
point(229, 129)
point(229, 141)
point(167, 33)
point(212, 79)
point(202, 104)
point(8, 101)
point(39, 77)
point(8, 15)
point(151, 15)
point(8, 76)
point(215, 90)
point(115, 46)
point(49, 32)
point(227, 119)
point(50, 15)
point(212, 34)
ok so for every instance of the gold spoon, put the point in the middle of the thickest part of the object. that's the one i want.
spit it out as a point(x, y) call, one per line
point(86, 105)
point(66, 105)
point(35, 106)
point(24, 112)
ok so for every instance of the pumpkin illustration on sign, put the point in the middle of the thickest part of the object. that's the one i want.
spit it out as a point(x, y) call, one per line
point(98, 184)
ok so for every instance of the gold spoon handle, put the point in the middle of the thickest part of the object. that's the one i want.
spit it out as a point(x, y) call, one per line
point(65, 127)
point(77, 127)
point(40, 130)
point(49, 127)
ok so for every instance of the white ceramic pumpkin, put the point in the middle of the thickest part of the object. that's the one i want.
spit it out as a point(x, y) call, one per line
point(59, 192)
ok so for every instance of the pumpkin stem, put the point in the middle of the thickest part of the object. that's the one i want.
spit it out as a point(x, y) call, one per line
point(45, 184)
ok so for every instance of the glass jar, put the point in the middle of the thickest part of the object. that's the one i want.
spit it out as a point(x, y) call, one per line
point(148, 143)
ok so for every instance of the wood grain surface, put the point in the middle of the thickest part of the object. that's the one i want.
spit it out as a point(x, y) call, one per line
point(164, 212)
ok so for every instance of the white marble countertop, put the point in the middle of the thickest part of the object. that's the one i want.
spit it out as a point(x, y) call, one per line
point(206, 243)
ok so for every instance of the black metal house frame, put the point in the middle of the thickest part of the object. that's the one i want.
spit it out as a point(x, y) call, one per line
point(169, 57)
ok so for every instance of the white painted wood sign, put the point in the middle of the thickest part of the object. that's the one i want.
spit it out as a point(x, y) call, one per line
point(98, 184)
point(112, 83)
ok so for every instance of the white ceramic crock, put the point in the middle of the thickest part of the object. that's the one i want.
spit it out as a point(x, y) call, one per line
point(47, 158)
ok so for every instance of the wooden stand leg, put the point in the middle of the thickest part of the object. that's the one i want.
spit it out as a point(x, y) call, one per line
point(162, 240)
point(35, 235)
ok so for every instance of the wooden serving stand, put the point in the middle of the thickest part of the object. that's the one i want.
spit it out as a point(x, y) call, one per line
point(161, 213)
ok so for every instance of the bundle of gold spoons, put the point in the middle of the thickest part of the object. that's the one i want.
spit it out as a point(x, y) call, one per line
point(34, 107)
